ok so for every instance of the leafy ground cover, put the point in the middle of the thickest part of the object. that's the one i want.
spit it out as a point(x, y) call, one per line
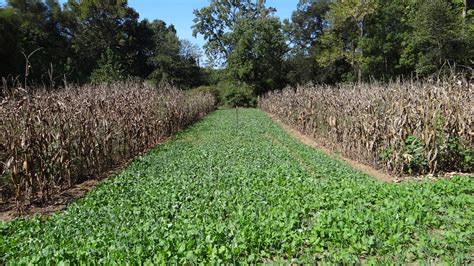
point(229, 190)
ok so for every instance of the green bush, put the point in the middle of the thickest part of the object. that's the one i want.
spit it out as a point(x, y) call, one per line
point(455, 153)
point(415, 160)
point(237, 94)
point(109, 69)
point(231, 94)
point(212, 90)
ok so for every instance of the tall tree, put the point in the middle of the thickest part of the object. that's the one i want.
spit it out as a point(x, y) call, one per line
point(217, 21)
point(244, 35)
point(33, 25)
point(257, 57)
point(97, 25)
point(174, 61)
point(305, 29)
point(382, 45)
point(9, 49)
point(348, 22)
point(307, 24)
point(436, 37)
point(191, 52)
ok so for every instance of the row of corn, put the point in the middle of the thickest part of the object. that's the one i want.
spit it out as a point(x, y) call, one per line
point(52, 140)
point(403, 127)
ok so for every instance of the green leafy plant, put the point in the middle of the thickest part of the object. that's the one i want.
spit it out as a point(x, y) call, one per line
point(109, 69)
point(455, 152)
point(237, 94)
point(414, 155)
point(386, 154)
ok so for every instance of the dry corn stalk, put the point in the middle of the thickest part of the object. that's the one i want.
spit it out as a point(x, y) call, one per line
point(404, 127)
point(49, 141)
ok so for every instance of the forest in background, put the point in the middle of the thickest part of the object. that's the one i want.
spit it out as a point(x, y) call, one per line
point(250, 50)
point(91, 41)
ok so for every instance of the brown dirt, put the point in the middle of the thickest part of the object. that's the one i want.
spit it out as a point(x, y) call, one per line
point(58, 202)
point(382, 176)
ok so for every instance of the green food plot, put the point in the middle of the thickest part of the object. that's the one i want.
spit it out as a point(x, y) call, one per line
point(224, 191)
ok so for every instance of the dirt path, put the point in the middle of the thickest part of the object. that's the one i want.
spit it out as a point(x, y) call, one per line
point(354, 164)
point(58, 203)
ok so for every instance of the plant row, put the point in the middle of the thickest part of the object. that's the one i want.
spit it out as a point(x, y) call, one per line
point(404, 127)
point(50, 141)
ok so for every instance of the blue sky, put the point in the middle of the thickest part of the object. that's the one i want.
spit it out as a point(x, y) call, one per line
point(180, 12)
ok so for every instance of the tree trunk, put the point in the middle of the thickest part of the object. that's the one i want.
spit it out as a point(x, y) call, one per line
point(464, 11)
point(467, 5)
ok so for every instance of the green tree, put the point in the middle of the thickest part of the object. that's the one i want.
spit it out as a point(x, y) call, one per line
point(109, 69)
point(246, 36)
point(173, 61)
point(436, 37)
point(257, 58)
point(217, 22)
point(382, 45)
point(307, 24)
point(165, 52)
point(9, 50)
point(87, 39)
point(190, 51)
point(347, 29)
point(97, 25)
point(190, 57)
point(29, 25)
point(304, 31)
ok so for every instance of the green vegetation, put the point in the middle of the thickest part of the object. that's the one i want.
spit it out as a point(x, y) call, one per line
point(235, 187)
point(324, 41)
point(85, 41)
point(231, 94)
point(355, 40)
point(109, 69)
point(334, 41)
point(229, 190)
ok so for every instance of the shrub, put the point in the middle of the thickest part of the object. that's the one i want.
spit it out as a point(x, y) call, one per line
point(213, 90)
point(237, 94)
point(231, 94)
point(109, 69)
point(413, 155)
point(455, 151)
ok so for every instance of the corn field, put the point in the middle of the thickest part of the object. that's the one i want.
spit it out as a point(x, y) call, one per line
point(51, 141)
point(402, 127)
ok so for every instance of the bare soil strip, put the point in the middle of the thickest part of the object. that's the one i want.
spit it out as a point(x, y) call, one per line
point(58, 203)
point(382, 176)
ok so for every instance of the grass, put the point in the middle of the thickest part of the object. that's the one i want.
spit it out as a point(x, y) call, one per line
point(248, 192)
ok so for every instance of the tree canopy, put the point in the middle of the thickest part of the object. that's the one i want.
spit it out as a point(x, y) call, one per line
point(247, 37)
point(324, 41)
point(87, 40)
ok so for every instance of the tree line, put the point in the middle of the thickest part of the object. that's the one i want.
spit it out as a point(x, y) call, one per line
point(91, 41)
point(324, 41)
point(332, 41)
